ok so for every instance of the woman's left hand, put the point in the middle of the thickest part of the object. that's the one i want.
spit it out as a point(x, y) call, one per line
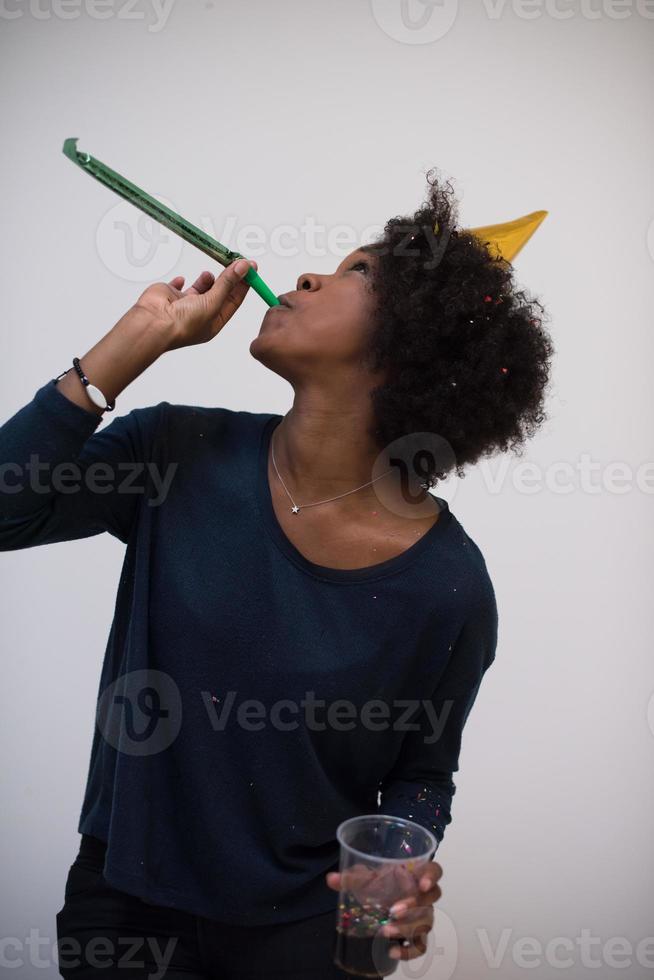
point(413, 917)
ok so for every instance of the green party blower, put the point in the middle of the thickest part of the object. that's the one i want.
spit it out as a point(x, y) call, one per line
point(166, 217)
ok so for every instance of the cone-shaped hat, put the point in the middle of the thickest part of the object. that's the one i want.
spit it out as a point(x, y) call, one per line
point(505, 241)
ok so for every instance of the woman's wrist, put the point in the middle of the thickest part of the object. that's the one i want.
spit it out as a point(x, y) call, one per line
point(150, 333)
point(135, 342)
point(157, 332)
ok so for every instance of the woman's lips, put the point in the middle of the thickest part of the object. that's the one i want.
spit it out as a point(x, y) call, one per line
point(276, 310)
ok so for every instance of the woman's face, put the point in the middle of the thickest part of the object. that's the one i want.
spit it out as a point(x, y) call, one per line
point(323, 325)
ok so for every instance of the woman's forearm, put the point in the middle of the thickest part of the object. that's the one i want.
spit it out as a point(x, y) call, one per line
point(131, 346)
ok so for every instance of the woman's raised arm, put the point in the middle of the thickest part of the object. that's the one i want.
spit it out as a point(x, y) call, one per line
point(59, 478)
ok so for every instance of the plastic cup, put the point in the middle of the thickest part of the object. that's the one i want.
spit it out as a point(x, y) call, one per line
point(382, 859)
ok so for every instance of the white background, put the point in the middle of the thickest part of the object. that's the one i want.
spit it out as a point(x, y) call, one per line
point(272, 114)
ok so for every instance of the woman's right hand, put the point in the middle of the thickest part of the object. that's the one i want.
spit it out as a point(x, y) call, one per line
point(197, 314)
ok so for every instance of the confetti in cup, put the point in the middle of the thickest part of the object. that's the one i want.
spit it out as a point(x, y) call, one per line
point(382, 859)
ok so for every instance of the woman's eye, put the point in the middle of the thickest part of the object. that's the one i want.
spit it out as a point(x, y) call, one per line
point(362, 265)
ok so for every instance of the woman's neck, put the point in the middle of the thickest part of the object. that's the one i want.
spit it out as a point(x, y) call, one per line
point(325, 451)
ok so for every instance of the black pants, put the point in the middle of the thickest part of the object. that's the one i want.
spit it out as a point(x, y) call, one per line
point(99, 925)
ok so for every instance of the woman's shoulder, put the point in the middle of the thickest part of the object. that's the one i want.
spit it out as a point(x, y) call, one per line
point(180, 427)
point(469, 557)
point(180, 418)
point(179, 410)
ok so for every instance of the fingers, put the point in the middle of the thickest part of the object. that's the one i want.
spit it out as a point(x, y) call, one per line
point(411, 934)
point(423, 915)
point(431, 874)
point(432, 895)
point(425, 899)
point(410, 925)
point(176, 286)
point(207, 277)
point(358, 878)
point(204, 282)
point(417, 945)
point(228, 291)
point(428, 890)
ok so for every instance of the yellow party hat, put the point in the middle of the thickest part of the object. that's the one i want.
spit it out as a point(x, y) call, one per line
point(506, 240)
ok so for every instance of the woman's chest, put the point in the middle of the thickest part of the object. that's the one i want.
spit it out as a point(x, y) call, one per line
point(338, 538)
point(225, 594)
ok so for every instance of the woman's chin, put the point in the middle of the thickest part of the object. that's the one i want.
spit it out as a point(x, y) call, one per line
point(263, 345)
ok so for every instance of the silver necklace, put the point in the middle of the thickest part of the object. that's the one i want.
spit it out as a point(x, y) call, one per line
point(295, 508)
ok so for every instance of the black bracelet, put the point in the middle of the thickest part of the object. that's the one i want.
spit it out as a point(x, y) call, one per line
point(94, 393)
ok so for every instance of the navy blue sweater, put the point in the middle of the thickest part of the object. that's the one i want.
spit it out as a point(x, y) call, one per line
point(249, 699)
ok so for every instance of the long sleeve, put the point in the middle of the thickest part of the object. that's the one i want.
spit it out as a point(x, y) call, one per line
point(419, 786)
point(99, 485)
point(216, 607)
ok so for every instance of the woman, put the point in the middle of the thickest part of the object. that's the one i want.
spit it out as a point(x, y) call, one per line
point(275, 576)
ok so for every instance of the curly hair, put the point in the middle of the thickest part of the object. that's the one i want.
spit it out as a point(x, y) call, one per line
point(465, 352)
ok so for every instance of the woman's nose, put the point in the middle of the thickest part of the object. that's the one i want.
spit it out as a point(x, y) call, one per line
point(308, 281)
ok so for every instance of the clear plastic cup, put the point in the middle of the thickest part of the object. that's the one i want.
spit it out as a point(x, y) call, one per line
point(381, 861)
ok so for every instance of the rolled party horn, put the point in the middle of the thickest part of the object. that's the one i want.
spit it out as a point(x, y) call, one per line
point(175, 222)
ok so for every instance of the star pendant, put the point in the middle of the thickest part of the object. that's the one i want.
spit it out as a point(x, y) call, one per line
point(295, 509)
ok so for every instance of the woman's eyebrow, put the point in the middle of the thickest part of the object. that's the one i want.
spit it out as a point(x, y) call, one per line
point(355, 256)
point(346, 261)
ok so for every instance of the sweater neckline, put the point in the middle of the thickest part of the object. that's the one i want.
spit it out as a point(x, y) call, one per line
point(325, 572)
